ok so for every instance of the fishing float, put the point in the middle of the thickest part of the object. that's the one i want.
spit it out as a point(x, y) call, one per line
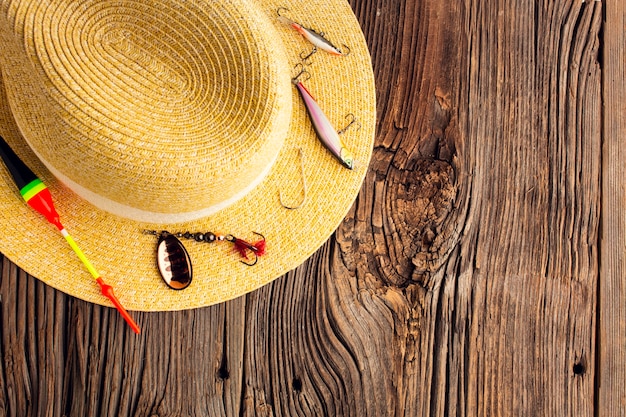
point(37, 195)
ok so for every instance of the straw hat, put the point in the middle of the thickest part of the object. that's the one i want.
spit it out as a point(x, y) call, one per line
point(179, 116)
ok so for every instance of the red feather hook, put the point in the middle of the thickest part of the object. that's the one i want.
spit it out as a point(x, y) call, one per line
point(242, 246)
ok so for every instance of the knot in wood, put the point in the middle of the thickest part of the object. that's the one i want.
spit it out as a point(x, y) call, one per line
point(417, 203)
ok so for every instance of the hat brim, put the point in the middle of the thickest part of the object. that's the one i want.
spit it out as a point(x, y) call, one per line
point(125, 256)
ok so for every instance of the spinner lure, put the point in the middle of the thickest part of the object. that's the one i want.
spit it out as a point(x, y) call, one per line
point(174, 262)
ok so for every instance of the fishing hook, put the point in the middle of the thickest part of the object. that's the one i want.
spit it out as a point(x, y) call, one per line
point(305, 58)
point(353, 120)
point(304, 186)
point(303, 73)
point(280, 9)
point(254, 248)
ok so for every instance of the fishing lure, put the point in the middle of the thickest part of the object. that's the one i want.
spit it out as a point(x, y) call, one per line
point(174, 262)
point(325, 131)
point(317, 39)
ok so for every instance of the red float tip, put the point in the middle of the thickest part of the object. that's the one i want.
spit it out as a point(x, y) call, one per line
point(107, 291)
point(38, 197)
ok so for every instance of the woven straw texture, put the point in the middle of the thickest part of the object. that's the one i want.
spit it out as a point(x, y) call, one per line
point(179, 116)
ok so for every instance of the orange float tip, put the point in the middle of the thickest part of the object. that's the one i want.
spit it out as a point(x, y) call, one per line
point(107, 291)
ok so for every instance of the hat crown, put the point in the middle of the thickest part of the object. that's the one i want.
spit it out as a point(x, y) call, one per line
point(159, 111)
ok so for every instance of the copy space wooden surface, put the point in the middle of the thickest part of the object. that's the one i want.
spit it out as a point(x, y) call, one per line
point(481, 271)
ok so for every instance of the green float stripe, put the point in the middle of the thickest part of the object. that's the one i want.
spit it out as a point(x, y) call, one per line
point(32, 189)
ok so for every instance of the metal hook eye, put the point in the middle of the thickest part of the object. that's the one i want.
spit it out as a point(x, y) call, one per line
point(304, 186)
point(346, 47)
point(280, 9)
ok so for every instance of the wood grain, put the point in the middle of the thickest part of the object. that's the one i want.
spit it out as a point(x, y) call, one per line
point(468, 279)
point(612, 317)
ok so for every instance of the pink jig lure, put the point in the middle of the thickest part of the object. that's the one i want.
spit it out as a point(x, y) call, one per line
point(325, 131)
point(317, 39)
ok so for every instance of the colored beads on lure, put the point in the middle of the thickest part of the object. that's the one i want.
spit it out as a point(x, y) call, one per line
point(174, 262)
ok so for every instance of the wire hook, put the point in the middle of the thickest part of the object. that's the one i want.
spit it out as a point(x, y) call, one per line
point(305, 58)
point(255, 250)
point(303, 73)
point(241, 246)
point(352, 121)
point(304, 186)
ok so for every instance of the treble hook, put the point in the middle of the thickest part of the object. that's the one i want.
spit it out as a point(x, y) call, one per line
point(255, 249)
point(304, 186)
point(305, 58)
point(353, 121)
point(303, 73)
point(241, 245)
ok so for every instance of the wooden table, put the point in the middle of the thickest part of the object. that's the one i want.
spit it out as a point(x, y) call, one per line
point(481, 271)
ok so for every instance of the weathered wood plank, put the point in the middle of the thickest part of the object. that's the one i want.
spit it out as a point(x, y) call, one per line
point(612, 327)
point(463, 281)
